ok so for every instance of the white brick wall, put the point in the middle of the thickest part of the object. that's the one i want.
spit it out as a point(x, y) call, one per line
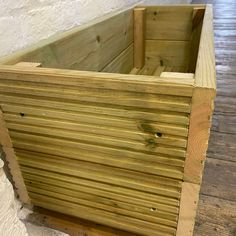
point(25, 22)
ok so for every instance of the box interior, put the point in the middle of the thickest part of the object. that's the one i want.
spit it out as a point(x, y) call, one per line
point(171, 44)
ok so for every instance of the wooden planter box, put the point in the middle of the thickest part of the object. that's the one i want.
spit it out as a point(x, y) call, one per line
point(124, 148)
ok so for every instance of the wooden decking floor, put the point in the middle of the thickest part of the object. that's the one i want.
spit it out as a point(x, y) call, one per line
point(217, 206)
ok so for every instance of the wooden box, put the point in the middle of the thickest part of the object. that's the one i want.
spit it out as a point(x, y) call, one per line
point(110, 121)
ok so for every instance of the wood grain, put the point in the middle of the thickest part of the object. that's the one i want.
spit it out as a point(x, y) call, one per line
point(188, 207)
point(139, 37)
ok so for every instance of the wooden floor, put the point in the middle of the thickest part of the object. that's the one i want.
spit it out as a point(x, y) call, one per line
point(217, 207)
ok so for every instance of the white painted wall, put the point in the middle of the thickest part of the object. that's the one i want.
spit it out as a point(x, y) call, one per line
point(25, 22)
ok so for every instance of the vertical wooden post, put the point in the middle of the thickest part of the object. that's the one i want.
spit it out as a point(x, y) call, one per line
point(5, 142)
point(139, 37)
point(200, 122)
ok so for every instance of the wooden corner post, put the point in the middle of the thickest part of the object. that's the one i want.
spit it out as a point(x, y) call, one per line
point(10, 157)
point(139, 37)
point(199, 127)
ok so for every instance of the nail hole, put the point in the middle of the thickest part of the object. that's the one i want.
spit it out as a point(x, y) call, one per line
point(161, 62)
point(22, 114)
point(155, 13)
point(153, 209)
point(98, 39)
point(158, 135)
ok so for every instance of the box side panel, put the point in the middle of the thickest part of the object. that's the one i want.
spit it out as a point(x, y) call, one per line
point(168, 33)
point(104, 147)
point(91, 47)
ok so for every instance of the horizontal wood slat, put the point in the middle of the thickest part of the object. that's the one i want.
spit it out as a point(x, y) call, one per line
point(101, 203)
point(94, 131)
point(178, 104)
point(73, 108)
point(102, 173)
point(155, 85)
point(142, 125)
point(118, 192)
point(169, 22)
point(131, 224)
point(105, 197)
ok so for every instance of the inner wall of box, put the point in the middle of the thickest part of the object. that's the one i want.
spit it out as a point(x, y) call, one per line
point(171, 44)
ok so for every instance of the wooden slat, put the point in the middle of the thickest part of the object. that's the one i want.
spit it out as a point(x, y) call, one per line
point(5, 139)
point(134, 71)
point(157, 168)
point(71, 225)
point(101, 203)
point(179, 104)
point(177, 75)
point(147, 70)
point(130, 224)
point(99, 80)
point(9, 156)
point(28, 64)
point(148, 127)
point(118, 192)
point(169, 22)
point(168, 53)
point(139, 37)
point(101, 173)
point(123, 63)
point(106, 197)
point(200, 123)
point(161, 169)
point(94, 130)
point(72, 108)
point(170, 184)
point(159, 70)
point(147, 146)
